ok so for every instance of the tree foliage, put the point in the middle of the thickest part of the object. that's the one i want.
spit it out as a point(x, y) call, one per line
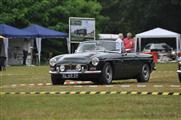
point(50, 13)
point(112, 16)
point(140, 15)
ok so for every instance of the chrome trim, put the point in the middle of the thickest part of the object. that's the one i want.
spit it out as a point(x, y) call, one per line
point(179, 71)
point(86, 72)
point(72, 67)
point(154, 68)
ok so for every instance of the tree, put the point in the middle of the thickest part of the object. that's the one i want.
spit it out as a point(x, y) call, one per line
point(112, 16)
point(49, 13)
point(140, 15)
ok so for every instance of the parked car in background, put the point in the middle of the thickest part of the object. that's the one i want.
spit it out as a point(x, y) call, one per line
point(165, 52)
point(101, 62)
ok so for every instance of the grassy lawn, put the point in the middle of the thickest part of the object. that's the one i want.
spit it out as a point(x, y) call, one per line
point(68, 107)
point(164, 75)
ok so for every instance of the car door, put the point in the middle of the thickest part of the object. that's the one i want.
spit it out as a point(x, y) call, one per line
point(130, 65)
point(117, 60)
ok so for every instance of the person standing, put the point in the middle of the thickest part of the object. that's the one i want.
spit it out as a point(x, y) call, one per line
point(120, 44)
point(25, 51)
point(129, 43)
point(34, 56)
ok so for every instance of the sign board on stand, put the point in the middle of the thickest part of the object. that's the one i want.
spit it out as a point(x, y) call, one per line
point(80, 29)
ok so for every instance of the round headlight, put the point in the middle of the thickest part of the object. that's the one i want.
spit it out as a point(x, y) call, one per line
point(52, 62)
point(62, 68)
point(173, 52)
point(95, 61)
point(78, 67)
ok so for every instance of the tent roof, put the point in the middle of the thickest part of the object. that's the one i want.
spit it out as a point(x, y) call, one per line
point(157, 33)
point(9, 31)
point(40, 31)
point(1, 37)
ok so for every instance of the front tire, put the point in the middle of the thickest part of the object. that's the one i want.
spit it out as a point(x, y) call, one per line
point(144, 74)
point(56, 80)
point(107, 73)
point(179, 76)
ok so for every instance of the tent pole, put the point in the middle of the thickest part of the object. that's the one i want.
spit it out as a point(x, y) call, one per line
point(179, 39)
point(6, 45)
point(177, 45)
point(69, 38)
point(38, 44)
point(68, 44)
point(135, 44)
point(139, 44)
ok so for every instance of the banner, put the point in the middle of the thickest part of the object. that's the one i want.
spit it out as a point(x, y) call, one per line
point(81, 29)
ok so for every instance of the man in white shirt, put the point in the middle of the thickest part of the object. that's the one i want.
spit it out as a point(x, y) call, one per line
point(119, 42)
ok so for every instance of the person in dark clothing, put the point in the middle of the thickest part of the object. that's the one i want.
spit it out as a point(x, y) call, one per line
point(35, 56)
point(25, 54)
point(25, 51)
point(2, 63)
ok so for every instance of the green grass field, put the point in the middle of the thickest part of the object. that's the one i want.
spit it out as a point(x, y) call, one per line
point(76, 107)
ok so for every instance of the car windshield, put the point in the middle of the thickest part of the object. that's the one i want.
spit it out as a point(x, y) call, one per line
point(158, 47)
point(161, 47)
point(83, 47)
point(109, 46)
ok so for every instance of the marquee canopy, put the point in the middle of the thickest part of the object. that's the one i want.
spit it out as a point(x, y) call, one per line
point(158, 33)
point(42, 32)
point(32, 31)
point(12, 32)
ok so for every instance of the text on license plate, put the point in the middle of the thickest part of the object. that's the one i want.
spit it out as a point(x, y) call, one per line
point(70, 76)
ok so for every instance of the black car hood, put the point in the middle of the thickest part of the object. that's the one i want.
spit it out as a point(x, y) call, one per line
point(77, 58)
point(86, 57)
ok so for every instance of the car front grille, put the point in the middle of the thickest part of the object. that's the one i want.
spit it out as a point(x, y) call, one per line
point(72, 67)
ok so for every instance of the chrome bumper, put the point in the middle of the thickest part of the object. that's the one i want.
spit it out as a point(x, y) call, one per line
point(178, 71)
point(86, 72)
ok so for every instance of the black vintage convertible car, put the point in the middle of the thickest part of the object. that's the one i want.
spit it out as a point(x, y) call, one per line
point(100, 61)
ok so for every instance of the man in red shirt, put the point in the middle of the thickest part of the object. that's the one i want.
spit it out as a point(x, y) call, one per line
point(129, 43)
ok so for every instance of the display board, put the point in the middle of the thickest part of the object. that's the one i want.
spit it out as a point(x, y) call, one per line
point(81, 29)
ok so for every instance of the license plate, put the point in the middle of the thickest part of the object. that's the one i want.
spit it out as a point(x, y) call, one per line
point(70, 76)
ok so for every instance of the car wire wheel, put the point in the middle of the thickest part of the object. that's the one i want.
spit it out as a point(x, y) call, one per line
point(107, 73)
point(144, 74)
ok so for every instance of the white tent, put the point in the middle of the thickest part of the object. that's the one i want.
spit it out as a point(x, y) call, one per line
point(4, 49)
point(158, 33)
